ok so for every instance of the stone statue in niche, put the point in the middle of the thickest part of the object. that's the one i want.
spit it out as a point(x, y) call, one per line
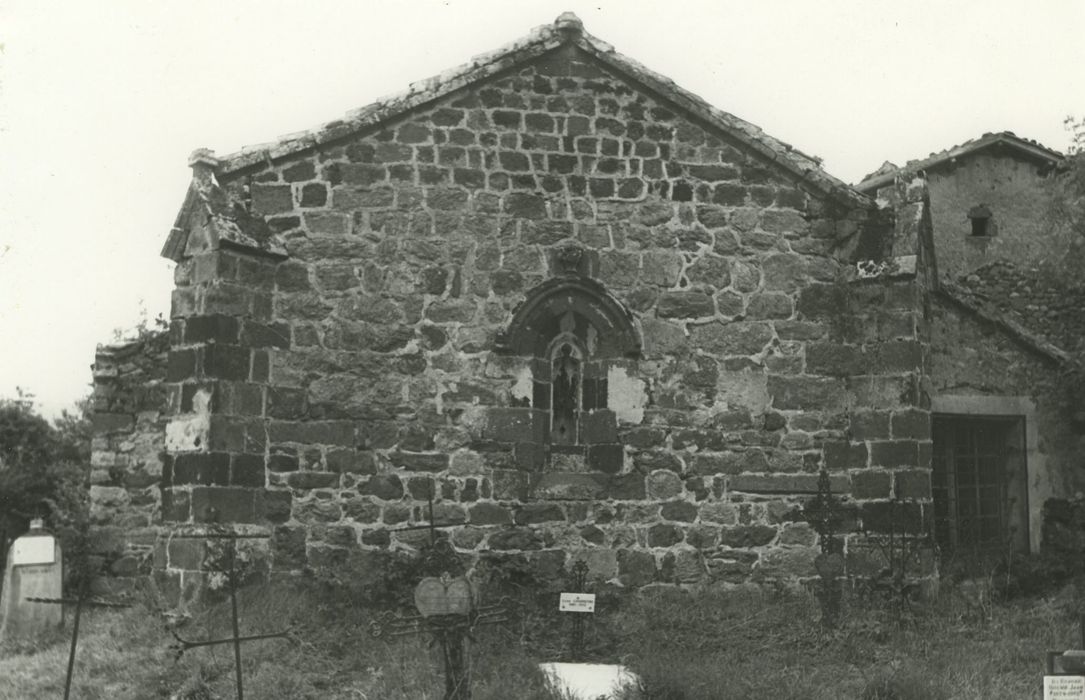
point(566, 398)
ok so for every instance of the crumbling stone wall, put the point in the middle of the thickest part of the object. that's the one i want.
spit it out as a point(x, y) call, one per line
point(385, 357)
point(129, 418)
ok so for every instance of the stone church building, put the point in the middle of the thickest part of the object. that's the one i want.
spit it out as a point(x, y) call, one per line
point(583, 313)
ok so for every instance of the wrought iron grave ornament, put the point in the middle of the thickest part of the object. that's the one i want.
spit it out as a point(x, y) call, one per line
point(448, 608)
point(826, 515)
point(233, 583)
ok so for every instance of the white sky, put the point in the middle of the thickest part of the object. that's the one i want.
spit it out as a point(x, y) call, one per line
point(102, 101)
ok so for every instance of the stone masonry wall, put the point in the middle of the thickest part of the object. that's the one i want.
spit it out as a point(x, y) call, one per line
point(328, 396)
point(129, 418)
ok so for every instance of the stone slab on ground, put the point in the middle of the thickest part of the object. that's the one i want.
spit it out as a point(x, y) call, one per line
point(588, 681)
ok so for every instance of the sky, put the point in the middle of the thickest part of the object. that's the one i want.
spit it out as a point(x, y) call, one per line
point(102, 101)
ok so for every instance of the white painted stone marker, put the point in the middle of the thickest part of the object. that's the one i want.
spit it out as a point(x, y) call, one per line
point(588, 681)
point(34, 570)
point(1064, 687)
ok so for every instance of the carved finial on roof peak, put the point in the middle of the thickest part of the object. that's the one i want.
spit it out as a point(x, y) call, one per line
point(569, 24)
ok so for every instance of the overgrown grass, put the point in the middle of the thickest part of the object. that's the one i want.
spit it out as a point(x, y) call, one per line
point(685, 646)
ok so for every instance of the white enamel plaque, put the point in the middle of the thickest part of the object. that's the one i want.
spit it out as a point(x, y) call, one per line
point(577, 602)
point(1064, 687)
point(40, 549)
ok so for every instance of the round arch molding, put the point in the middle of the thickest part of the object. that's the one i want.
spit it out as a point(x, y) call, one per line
point(579, 306)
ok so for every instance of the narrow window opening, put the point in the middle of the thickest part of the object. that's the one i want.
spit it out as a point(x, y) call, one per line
point(566, 399)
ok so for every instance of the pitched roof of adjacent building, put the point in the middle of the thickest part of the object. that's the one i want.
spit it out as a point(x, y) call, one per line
point(1044, 313)
point(1004, 141)
point(565, 30)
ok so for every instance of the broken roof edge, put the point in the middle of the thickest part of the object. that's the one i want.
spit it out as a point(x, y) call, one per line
point(1033, 149)
point(224, 224)
point(566, 29)
point(959, 297)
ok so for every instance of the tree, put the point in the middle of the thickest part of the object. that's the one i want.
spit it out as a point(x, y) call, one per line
point(43, 469)
point(1067, 204)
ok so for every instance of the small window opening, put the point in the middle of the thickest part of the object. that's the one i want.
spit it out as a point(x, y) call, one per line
point(981, 220)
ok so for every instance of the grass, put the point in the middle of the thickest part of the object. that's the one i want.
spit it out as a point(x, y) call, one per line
point(685, 646)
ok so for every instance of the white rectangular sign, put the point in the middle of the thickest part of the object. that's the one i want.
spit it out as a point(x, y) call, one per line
point(1064, 687)
point(40, 549)
point(577, 602)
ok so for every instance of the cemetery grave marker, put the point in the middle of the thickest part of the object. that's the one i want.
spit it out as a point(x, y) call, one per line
point(1065, 676)
point(232, 582)
point(34, 569)
point(574, 679)
point(448, 609)
point(825, 514)
point(33, 589)
point(578, 602)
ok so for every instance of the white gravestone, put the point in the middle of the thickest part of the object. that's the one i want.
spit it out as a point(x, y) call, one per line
point(1064, 687)
point(34, 570)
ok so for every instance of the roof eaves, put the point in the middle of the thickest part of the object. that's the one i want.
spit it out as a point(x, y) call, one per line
point(1006, 138)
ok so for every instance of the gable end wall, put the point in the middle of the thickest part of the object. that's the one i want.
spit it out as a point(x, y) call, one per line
point(323, 399)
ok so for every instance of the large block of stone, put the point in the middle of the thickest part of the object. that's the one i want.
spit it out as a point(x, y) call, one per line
point(34, 569)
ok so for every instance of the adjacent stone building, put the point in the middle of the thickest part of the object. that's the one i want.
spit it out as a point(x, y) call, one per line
point(1007, 422)
point(988, 201)
point(582, 312)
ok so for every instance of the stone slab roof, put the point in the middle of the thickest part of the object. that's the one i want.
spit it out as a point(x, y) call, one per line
point(1007, 140)
point(1029, 304)
point(566, 29)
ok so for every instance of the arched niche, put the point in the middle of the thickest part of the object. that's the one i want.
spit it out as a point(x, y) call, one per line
point(578, 307)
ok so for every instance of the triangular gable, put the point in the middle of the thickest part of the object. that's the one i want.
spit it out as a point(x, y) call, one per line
point(566, 30)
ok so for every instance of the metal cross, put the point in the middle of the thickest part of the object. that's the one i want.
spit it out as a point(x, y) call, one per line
point(825, 514)
point(578, 577)
point(183, 645)
point(79, 602)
